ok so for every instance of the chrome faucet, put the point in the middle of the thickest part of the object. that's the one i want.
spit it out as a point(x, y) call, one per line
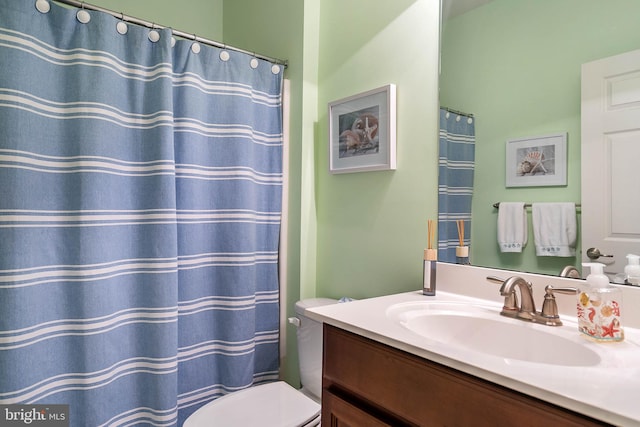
point(527, 309)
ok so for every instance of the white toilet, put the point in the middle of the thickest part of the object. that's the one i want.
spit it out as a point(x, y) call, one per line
point(276, 404)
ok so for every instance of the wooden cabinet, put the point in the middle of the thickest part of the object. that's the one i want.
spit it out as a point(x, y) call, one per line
point(366, 383)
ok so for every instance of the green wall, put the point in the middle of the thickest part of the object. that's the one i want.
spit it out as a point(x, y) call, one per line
point(515, 64)
point(200, 17)
point(372, 225)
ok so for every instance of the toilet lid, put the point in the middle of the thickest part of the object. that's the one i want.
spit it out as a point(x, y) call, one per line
point(273, 404)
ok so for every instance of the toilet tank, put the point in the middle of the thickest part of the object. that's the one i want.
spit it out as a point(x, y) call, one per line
point(309, 335)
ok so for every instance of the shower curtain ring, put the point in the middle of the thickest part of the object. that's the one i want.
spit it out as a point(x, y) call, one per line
point(224, 55)
point(82, 15)
point(254, 62)
point(121, 27)
point(154, 36)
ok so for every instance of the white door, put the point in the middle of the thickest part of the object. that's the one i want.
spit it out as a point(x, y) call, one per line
point(611, 159)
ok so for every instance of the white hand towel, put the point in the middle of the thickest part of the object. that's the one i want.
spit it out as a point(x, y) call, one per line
point(555, 229)
point(512, 226)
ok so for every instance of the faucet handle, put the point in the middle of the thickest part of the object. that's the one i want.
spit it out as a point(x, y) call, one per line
point(496, 279)
point(549, 306)
point(567, 291)
point(499, 281)
point(510, 301)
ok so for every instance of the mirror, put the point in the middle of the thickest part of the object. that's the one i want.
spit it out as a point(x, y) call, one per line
point(516, 66)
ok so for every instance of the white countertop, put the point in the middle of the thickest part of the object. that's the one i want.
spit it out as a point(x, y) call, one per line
point(609, 391)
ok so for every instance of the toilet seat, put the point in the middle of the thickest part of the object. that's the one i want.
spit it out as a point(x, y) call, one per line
point(274, 404)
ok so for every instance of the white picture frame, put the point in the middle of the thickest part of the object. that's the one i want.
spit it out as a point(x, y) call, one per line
point(537, 161)
point(362, 131)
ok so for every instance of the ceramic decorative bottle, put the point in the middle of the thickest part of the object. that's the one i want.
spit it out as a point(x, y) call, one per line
point(599, 307)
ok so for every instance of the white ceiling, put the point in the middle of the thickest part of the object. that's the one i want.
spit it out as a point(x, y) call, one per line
point(451, 8)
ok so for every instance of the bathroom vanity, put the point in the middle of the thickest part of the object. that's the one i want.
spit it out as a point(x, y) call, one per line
point(366, 383)
point(384, 367)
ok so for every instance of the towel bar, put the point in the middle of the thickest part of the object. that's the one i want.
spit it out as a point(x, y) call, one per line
point(526, 205)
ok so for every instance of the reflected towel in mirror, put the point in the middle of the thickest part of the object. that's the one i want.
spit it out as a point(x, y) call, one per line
point(554, 229)
point(512, 226)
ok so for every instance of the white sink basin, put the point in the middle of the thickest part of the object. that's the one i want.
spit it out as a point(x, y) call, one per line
point(481, 329)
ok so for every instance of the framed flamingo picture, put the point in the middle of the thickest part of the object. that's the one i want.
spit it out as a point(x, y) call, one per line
point(537, 161)
point(362, 131)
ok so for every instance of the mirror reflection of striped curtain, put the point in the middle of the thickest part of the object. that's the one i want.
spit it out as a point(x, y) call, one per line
point(140, 208)
point(455, 180)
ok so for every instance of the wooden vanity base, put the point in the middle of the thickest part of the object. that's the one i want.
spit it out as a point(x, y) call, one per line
point(366, 383)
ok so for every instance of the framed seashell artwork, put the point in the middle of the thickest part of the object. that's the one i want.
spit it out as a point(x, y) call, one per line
point(362, 131)
point(537, 161)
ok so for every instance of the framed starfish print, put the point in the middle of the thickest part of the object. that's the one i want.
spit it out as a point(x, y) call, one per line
point(537, 161)
point(362, 131)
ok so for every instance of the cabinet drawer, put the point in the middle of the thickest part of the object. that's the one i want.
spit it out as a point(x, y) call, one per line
point(421, 392)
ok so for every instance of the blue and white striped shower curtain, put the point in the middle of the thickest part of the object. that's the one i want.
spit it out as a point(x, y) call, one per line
point(456, 164)
point(140, 205)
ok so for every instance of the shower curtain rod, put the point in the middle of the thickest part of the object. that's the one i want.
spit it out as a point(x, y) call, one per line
point(451, 110)
point(152, 25)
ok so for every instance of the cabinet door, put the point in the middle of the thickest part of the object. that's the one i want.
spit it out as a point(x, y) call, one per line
point(340, 413)
point(417, 392)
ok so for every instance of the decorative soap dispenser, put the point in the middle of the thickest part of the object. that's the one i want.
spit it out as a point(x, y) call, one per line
point(599, 306)
point(632, 270)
